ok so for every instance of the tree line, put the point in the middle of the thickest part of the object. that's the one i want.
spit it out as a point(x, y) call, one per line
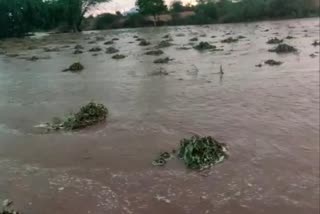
point(18, 17)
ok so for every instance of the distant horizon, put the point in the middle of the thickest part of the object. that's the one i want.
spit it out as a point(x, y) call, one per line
point(123, 6)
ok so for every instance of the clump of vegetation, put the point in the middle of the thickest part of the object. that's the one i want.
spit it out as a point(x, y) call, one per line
point(201, 152)
point(289, 37)
point(272, 62)
point(88, 115)
point(162, 160)
point(154, 52)
point(109, 42)
point(78, 47)
point(197, 153)
point(274, 41)
point(95, 49)
point(54, 49)
point(230, 40)
point(194, 39)
point(284, 48)
point(164, 44)
point(204, 46)
point(118, 56)
point(162, 60)
point(144, 42)
point(111, 50)
point(167, 36)
point(75, 67)
point(316, 43)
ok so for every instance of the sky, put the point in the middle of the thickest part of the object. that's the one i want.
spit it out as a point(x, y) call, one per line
point(125, 5)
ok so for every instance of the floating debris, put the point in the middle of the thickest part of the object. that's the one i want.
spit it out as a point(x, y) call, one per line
point(194, 39)
point(272, 62)
point(162, 60)
point(259, 65)
point(162, 159)
point(313, 55)
point(289, 37)
point(111, 50)
point(154, 52)
point(55, 49)
point(75, 67)
point(316, 43)
point(95, 49)
point(230, 40)
point(115, 39)
point(118, 56)
point(274, 41)
point(144, 42)
point(241, 37)
point(204, 46)
point(284, 48)
point(160, 72)
point(201, 152)
point(184, 48)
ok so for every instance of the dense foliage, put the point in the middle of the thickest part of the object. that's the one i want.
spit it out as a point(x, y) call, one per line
point(18, 17)
point(151, 7)
point(201, 152)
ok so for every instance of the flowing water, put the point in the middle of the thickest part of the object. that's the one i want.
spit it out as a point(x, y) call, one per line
point(268, 116)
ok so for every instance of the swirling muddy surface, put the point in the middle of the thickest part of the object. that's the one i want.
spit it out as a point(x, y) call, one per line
point(268, 116)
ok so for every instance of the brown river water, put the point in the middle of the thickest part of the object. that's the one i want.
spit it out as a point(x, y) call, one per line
point(268, 116)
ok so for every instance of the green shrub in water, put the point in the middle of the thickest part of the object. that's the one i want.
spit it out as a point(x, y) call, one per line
point(201, 152)
point(88, 115)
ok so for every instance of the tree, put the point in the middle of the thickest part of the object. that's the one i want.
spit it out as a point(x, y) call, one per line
point(151, 7)
point(76, 9)
point(177, 6)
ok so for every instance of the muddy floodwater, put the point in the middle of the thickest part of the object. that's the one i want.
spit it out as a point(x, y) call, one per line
point(267, 115)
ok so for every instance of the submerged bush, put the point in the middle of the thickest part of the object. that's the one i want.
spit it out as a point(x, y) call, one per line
point(274, 41)
point(230, 40)
point(88, 115)
point(196, 152)
point(204, 46)
point(164, 44)
point(75, 67)
point(272, 62)
point(154, 52)
point(201, 152)
point(284, 48)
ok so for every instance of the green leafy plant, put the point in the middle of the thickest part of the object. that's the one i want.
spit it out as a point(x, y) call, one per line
point(88, 115)
point(201, 152)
